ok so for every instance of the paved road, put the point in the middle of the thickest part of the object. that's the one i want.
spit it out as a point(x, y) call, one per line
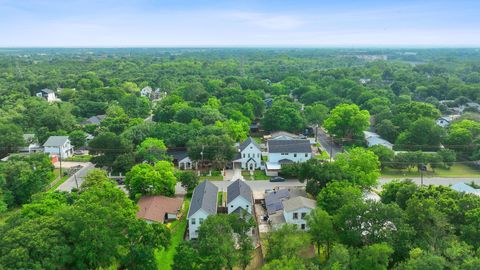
point(327, 143)
point(70, 183)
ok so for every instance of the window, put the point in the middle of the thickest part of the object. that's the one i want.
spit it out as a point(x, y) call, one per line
point(249, 155)
point(302, 226)
point(200, 221)
point(303, 215)
point(284, 154)
point(247, 206)
point(294, 155)
point(243, 155)
point(306, 155)
point(231, 206)
point(295, 215)
point(193, 221)
point(258, 155)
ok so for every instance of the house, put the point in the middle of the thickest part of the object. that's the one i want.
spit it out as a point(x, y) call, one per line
point(47, 94)
point(373, 138)
point(58, 146)
point(288, 151)
point(202, 204)
point(464, 188)
point(295, 211)
point(94, 120)
point(250, 155)
point(364, 81)
point(181, 159)
point(283, 135)
point(274, 200)
point(146, 92)
point(31, 144)
point(239, 198)
point(159, 209)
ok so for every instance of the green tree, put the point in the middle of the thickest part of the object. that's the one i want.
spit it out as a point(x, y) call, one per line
point(387, 130)
point(385, 155)
point(78, 138)
point(283, 115)
point(151, 150)
point(338, 193)
point(374, 257)
point(145, 179)
point(107, 147)
point(285, 263)
point(216, 149)
point(362, 165)
point(347, 121)
point(189, 180)
point(315, 114)
point(432, 135)
point(321, 230)
point(287, 241)
point(186, 257)
point(11, 137)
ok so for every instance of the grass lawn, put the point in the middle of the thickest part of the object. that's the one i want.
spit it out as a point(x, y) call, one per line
point(164, 257)
point(54, 187)
point(212, 178)
point(457, 170)
point(84, 158)
point(257, 175)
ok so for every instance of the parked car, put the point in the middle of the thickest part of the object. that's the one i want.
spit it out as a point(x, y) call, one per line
point(277, 179)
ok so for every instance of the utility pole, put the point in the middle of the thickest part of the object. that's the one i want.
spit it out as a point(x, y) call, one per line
point(75, 177)
point(331, 148)
point(60, 160)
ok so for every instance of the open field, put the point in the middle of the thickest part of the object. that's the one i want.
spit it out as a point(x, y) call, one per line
point(457, 170)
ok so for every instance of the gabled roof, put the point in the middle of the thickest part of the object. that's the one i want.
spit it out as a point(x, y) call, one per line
point(96, 119)
point(178, 154)
point(283, 135)
point(462, 187)
point(239, 188)
point(297, 203)
point(273, 200)
point(56, 141)
point(154, 208)
point(289, 146)
point(204, 197)
point(247, 142)
point(48, 91)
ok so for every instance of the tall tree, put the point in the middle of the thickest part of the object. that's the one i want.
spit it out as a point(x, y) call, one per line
point(347, 121)
point(145, 179)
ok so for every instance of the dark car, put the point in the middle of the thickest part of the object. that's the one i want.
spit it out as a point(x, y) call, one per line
point(277, 179)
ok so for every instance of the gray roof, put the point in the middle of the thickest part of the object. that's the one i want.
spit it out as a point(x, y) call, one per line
point(239, 188)
point(94, 120)
point(289, 146)
point(462, 187)
point(297, 203)
point(288, 135)
point(178, 154)
point(56, 141)
point(204, 197)
point(48, 91)
point(273, 200)
point(247, 142)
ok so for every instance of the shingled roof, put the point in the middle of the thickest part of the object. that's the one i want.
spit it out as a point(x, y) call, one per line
point(56, 141)
point(154, 208)
point(297, 203)
point(204, 197)
point(239, 188)
point(289, 146)
point(247, 142)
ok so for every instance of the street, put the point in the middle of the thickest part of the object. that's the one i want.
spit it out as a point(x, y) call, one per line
point(326, 141)
point(70, 183)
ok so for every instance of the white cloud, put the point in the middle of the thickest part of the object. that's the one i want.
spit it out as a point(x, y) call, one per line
point(268, 21)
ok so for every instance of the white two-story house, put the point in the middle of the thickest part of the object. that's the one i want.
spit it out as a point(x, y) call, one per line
point(295, 211)
point(250, 155)
point(59, 146)
point(203, 204)
point(288, 151)
point(47, 94)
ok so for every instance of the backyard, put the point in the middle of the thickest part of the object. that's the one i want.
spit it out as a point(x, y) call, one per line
point(164, 257)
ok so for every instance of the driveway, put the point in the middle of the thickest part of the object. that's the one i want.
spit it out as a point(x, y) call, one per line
point(326, 142)
point(76, 179)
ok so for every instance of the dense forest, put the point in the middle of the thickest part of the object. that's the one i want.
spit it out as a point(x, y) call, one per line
point(208, 100)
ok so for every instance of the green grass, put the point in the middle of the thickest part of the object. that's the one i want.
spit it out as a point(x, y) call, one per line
point(212, 178)
point(258, 175)
point(164, 257)
point(220, 198)
point(84, 158)
point(457, 170)
point(54, 187)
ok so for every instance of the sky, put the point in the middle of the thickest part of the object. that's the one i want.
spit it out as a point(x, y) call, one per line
point(239, 23)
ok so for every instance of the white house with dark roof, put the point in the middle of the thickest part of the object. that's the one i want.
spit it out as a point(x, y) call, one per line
point(181, 159)
point(59, 146)
point(47, 94)
point(289, 151)
point(249, 155)
point(239, 197)
point(202, 204)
